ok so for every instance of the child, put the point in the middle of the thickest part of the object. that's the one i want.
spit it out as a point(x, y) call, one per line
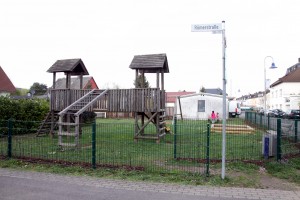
point(213, 117)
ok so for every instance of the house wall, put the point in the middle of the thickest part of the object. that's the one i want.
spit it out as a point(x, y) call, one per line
point(93, 84)
point(3, 94)
point(189, 106)
point(285, 96)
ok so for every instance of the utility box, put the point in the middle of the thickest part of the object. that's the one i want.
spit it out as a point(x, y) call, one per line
point(269, 144)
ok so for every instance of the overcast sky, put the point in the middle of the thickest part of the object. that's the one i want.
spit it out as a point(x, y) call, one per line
point(106, 34)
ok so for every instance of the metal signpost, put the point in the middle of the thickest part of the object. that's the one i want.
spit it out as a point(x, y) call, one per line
point(218, 28)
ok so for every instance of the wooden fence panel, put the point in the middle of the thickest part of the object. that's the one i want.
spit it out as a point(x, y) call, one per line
point(116, 100)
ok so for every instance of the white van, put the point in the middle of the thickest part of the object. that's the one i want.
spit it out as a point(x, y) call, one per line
point(234, 108)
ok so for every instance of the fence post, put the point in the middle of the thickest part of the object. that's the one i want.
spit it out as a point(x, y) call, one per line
point(207, 149)
point(268, 117)
point(261, 120)
point(278, 139)
point(175, 135)
point(94, 145)
point(296, 131)
point(9, 138)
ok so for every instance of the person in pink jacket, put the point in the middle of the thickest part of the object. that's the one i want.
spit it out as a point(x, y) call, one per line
point(213, 117)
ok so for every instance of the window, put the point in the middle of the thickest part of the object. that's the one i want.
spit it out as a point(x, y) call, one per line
point(201, 105)
point(280, 93)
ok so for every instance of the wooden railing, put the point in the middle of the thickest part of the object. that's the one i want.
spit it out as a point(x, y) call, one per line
point(116, 100)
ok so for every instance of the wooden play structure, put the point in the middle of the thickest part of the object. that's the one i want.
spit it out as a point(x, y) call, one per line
point(67, 105)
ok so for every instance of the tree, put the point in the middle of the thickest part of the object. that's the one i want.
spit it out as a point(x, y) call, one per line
point(110, 85)
point(141, 82)
point(20, 92)
point(38, 89)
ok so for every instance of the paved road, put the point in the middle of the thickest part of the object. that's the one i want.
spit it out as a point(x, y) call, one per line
point(25, 185)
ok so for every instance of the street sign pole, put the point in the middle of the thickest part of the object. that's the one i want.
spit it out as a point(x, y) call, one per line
point(224, 104)
point(218, 28)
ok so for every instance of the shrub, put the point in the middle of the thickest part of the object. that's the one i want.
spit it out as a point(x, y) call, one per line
point(88, 116)
point(26, 113)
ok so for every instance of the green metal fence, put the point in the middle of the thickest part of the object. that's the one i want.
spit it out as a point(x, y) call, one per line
point(106, 143)
point(190, 146)
point(286, 133)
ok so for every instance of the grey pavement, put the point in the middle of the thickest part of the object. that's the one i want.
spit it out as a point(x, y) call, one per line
point(16, 184)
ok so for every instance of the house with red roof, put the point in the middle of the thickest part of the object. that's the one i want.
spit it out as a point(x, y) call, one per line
point(88, 82)
point(6, 86)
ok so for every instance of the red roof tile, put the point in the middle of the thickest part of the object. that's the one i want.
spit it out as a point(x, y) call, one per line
point(5, 83)
point(171, 96)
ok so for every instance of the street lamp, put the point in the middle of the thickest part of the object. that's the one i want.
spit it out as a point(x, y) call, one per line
point(265, 79)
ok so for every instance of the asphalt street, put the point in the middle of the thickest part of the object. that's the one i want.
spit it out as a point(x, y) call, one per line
point(25, 185)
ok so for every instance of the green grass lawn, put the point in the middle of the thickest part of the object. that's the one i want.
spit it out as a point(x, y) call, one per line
point(115, 147)
point(177, 158)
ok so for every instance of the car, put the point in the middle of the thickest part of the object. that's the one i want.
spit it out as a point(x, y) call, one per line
point(278, 113)
point(261, 111)
point(267, 112)
point(292, 114)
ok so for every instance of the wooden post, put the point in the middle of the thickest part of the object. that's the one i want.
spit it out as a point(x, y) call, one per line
point(157, 79)
point(136, 76)
point(163, 100)
point(77, 124)
point(68, 86)
point(157, 110)
point(136, 117)
point(143, 80)
point(51, 109)
point(81, 81)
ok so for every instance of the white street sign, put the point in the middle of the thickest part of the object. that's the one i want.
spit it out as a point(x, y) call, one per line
point(206, 27)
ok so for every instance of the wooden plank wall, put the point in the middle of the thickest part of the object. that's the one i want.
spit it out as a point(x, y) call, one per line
point(116, 100)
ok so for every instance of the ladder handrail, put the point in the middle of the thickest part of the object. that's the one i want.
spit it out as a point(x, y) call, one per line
point(75, 102)
point(90, 103)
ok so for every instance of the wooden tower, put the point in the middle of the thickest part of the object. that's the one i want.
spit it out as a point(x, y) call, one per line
point(68, 104)
point(158, 64)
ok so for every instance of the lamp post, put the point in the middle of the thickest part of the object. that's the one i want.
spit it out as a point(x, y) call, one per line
point(265, 79)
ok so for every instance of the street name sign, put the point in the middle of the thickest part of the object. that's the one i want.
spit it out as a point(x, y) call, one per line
point(207, 27)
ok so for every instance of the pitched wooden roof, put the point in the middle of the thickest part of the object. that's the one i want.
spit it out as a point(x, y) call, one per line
point(5, 83)
point(150, 63)
point(71, 66)
point(293, 76)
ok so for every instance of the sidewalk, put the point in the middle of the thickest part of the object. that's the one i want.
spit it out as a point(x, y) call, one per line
point(206, 191)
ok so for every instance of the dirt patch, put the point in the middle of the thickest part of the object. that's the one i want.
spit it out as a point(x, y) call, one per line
point(259, 179)
point(263, 180)
point(270, 182)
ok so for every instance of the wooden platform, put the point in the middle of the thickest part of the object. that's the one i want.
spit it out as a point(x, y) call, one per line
point(233, 129)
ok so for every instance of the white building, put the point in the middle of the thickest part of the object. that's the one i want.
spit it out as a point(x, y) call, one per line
point(199, 106)
point(285, 92)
